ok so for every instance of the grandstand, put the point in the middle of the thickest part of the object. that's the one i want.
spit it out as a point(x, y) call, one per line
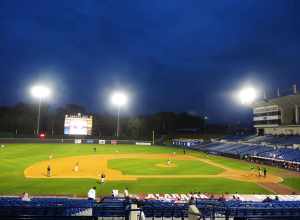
point(277, 139)
point(132, 208)
point(277, 143)
point(278, 116)
point(284, 155)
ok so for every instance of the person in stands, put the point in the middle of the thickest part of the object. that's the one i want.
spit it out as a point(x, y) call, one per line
point(222, 198)
point(267, 199)
point(25, 197)
point(126, 194)
point(92, 194)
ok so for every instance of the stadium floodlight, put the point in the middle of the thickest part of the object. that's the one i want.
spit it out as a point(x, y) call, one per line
point(119, 99)
point(40, 92)
point(247, 95)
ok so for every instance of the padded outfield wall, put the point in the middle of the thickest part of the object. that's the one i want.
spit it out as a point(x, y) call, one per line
point(71, 141)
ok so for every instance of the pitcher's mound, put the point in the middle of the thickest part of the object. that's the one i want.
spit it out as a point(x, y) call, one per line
point(172, 165)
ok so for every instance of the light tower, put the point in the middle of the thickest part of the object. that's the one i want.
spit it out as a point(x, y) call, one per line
point(40, 92)
point(247, 95)
point(119, 99)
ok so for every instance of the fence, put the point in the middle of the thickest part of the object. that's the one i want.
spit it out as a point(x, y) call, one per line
point(70, 141)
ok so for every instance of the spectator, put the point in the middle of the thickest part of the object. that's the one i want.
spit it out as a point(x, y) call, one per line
point(211, 197)
point(25, 197)
point(267, 199)
point(142, 214)
point(222, 198)
point(115, 193)
point(92, 194)
point(126, 194)
point(192, 201)
point(276, 198)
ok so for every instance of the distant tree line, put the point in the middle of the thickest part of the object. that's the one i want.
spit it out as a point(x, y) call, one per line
point(21, 119)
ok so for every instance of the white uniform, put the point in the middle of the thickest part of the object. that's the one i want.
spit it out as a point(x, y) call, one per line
point(126, 194)
point(92, 194)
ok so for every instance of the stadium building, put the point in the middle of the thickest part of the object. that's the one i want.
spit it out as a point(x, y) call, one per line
point(278, 115)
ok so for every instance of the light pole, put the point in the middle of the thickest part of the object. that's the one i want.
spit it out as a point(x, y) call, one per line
point(39, 117)
point(247, 96)
point(205, 124)
point(118, 121)
point(39, 92)
point(118, 99)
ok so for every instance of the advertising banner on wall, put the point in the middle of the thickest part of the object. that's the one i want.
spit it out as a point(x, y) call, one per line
point(143, 143)
point(101, 141)
point(78, 141)
point(114, 142)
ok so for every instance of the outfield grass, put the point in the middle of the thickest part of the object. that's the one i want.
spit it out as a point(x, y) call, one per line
point(149, 167)
point(293, 182)
point(14, 158)
point(235, 163)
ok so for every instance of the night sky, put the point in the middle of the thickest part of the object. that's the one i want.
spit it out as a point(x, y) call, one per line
point(170, 55)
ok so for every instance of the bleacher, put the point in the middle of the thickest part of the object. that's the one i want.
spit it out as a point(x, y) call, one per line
point(41, 207)
point(119, 208)
point(111, 207)
point(264, 210)
point(162, 209)
point(285, 140)
point(239, 137)
point(268, 146)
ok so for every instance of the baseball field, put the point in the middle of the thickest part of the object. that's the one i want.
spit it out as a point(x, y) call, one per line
point(142, 169)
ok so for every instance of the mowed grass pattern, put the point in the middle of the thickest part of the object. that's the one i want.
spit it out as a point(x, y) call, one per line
point(149, 167)
point(293, 182)
point(14, 158)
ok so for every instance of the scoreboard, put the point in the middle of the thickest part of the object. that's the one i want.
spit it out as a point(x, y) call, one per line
point(78, 125)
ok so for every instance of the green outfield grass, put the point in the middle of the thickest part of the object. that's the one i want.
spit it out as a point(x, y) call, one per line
point(293, 182)
point(149, 167)
point(14, 158)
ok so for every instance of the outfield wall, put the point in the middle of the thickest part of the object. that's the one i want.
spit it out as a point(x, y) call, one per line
point(70, 141)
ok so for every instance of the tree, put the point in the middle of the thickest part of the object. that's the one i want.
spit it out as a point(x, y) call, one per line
point(135, 126)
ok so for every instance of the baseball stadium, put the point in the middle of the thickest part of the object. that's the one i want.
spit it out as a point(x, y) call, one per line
point(149, 110)
point(235, 169)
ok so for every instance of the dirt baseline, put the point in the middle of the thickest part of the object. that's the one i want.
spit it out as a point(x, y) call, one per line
point(92, 166)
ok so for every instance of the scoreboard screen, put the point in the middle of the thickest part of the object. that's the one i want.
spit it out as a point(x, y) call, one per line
point(78, 125)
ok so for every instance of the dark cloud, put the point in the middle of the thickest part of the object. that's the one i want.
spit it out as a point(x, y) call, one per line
point(173, 55)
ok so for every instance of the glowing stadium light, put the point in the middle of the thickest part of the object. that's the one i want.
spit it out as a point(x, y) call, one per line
point(119, 99)
point(247, 95)
point(40, 92)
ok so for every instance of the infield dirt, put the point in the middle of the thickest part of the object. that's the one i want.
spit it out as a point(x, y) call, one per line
point(92, 166)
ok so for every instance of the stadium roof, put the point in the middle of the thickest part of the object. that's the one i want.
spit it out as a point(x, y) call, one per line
point(293, 99)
